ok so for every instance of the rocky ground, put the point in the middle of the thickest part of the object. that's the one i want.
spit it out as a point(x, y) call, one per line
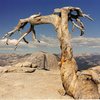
point(31, 76)
point(35, 76)
point(28, 86)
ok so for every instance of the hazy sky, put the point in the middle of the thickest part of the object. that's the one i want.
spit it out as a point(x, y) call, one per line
point(12, 10)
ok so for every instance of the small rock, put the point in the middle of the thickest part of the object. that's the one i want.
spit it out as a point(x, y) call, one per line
point(18, 65)
point(29, 70)
point(34, 66)
point(27, 64)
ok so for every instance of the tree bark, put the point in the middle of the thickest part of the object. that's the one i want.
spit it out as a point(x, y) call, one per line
point(77, 86)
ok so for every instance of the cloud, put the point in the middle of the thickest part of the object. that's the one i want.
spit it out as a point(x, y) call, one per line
point(45, 41)
point(52, 43)
point(10, 41)
point(95, 46)
point(86, 41)
point(11, 46)
point(76, 41)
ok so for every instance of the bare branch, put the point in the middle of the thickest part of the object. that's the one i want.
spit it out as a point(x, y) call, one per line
point(23, 37)
point(80, 23)
point(34, 34)
point(25, 40)
point(20, 25)
point(73, 28)
point(24, 34)
point(79, 27)
point(87, 16)
point(35, 15)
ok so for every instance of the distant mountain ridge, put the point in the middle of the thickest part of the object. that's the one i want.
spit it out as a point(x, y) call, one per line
point(83, 61)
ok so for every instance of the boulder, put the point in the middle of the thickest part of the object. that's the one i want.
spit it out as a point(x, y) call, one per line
point(44, 60)
point(51, 61)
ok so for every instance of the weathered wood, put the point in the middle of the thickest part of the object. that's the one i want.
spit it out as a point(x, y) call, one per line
point(79, 86)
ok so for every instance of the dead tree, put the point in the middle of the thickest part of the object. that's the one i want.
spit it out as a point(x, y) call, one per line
point(77, 84)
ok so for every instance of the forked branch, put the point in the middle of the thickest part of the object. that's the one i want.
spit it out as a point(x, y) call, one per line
point(38, 19)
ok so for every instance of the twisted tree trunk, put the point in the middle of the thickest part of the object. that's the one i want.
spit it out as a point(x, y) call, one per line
point(79, 86)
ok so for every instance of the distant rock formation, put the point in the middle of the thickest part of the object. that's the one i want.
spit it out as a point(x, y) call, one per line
point(31, 62)
point(87, 61)
point(50, 61)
